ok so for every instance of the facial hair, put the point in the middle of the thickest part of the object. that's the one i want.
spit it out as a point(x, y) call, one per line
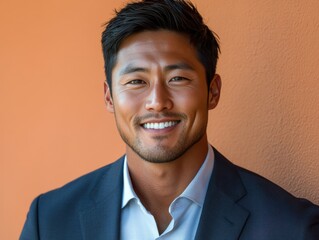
point(161, 153)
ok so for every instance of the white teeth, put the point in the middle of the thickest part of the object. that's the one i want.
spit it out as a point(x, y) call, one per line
point(160, 125)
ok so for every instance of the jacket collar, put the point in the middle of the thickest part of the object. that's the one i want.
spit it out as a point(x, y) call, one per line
point(222, 217)
point(101, 219)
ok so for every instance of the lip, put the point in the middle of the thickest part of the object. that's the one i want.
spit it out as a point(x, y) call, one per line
point(159, 120)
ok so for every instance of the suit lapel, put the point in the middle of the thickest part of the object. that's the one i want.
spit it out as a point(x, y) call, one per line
point(101, 219)
point(222, 217)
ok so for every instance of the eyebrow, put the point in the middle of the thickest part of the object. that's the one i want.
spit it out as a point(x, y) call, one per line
point(130, 68)
point(181, 65)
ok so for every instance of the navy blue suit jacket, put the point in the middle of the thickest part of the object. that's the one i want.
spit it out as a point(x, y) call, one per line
point(239, 205)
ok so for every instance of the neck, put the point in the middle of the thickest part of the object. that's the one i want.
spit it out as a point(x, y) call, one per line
point(158, 184)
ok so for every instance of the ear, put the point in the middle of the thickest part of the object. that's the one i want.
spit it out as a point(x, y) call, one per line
point(108, 98)
point(214, 91)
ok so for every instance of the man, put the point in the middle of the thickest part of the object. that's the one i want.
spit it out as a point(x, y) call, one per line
point(160, 62)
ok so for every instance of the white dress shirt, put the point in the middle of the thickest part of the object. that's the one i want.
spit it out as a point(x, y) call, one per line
point(139, 224)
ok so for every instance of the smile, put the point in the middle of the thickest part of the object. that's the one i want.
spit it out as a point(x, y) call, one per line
point(160, 125)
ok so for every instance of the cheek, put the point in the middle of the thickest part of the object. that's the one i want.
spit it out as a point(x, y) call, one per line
point(194, 105)
point(194, 100)
point(126, 104)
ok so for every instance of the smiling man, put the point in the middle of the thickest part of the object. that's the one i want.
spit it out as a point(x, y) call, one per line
point(160, 63)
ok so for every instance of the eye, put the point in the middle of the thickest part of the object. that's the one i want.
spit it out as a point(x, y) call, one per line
point(135, 82)
point(178, 79)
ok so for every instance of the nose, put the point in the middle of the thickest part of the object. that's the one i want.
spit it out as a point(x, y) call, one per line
point(158, 99)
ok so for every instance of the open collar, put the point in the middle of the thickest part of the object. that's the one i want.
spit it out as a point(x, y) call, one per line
point(222, 216)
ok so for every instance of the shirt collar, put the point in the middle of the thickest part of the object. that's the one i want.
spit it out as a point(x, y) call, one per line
point(197, 188)
point(128, 191)
point(195, 191)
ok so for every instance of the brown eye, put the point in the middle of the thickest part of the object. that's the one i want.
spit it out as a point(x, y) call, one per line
point(136, 82)
point(178, 79)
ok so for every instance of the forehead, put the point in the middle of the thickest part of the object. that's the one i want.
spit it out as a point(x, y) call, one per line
point(160, 47)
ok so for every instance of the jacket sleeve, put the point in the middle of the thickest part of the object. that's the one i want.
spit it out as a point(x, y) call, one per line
point(30, 230)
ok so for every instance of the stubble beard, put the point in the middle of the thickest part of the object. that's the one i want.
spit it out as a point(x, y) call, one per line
point(162, 153)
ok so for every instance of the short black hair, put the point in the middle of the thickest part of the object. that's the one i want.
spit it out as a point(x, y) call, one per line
point(180, 16)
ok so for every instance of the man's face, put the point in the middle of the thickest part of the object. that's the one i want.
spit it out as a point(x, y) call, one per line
point(160, 97)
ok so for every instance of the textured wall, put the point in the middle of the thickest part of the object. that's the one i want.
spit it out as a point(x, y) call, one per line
point(54, 126)
point(268, 117)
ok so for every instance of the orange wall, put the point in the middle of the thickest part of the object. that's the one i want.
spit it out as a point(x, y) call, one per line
point(54, 126)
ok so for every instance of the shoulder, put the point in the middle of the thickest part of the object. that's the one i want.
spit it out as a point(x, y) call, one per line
point(273, 206)
point(57, 212)
point(274, 213)
point(269, 205)
point(256, 186)
point(81, 189)
point(269, 193)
